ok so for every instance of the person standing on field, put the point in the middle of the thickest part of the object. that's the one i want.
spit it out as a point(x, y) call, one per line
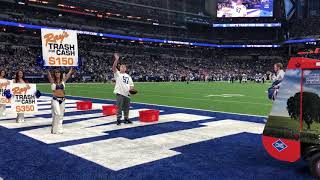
point(280, 73)
point(58, 86)
point(20, 78)
point(122, 89)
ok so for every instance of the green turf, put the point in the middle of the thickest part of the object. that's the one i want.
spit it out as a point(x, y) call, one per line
point(193, 95)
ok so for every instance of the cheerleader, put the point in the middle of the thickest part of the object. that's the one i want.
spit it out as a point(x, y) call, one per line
point(58, 86)
point(20, 78)
point(3, 106)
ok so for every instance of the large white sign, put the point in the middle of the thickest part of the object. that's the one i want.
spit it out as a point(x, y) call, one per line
point(59, 47)
point(24, 99)
point(4, 85)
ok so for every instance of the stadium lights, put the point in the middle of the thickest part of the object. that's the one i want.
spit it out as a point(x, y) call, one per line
point(296, 41)
point(233, 25)
point(133, 38)
point(38, 1)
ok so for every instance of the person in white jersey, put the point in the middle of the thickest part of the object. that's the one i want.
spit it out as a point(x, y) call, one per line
point(274, 89)
point(239, 10)
point(278, 68)
point(122, 89)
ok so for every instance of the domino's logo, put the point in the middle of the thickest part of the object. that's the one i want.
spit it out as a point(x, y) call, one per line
point(279, 145)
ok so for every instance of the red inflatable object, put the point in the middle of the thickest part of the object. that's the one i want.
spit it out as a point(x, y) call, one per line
point(84, 105)
point(109, 110)
point(149, 115)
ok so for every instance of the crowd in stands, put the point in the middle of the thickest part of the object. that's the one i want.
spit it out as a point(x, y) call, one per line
point(181, 31)
point(20, 47)
point(299, 28)
point(191, 6)
point(145, 61)
point(49, 17)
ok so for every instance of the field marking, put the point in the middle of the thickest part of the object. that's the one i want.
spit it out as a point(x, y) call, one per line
point(178, 107)
point(152, 91)
point(234, 95)
point(80, 130)
point(215, 100)
point(225, 95)
point(196, 99)
point(121, 153)
point(156, 92)
point(176, 82)
point(88, 139)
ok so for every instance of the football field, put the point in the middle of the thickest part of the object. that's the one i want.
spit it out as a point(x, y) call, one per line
point(184, 143)
point(214, 96)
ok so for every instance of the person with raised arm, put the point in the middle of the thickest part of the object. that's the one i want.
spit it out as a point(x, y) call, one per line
point(123, 88)
point(58, 85)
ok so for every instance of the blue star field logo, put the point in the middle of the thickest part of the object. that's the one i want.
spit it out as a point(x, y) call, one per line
point(279, 145)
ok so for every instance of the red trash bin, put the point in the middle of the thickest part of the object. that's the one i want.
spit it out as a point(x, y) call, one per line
point(149, 115)
point(84, 105)
point(109, 110)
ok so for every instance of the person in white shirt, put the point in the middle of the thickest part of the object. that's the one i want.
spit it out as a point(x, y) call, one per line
point(239, 10)
point(278, 68)
point(273, 90)
point(123, 85)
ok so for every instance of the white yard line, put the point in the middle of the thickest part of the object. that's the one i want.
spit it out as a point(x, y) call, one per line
point(253, 115)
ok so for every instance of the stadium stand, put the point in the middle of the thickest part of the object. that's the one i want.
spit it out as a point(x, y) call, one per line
point(146, 61)
point(179, 29)
point(20, 47)
point(180, 41)
point(304, 27)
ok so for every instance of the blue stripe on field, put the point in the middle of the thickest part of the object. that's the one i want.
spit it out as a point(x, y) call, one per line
point(241, 156)
point(49, 125)
point(24, 158)
point(140, 131)
point(45, 109)
point(49, 104)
